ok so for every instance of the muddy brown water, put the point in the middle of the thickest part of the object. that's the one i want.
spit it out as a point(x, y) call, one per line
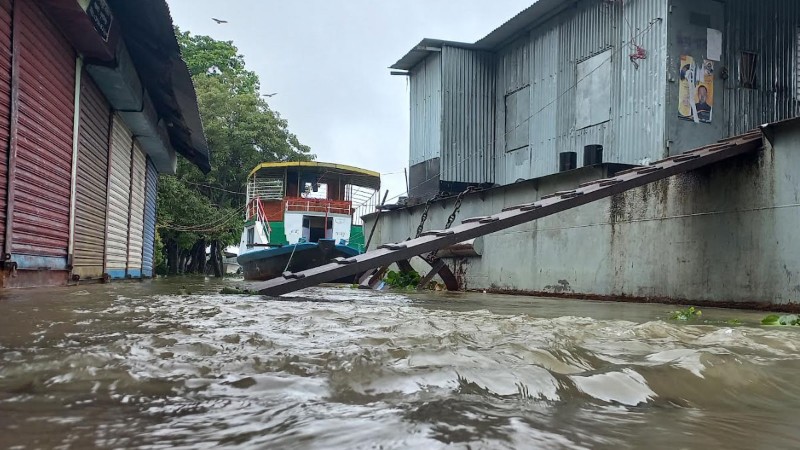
point(173, 364)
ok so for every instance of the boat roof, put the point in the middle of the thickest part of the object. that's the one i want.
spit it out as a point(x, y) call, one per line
point(326, 171)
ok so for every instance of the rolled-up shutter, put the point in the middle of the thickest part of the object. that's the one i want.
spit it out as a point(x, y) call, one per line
point(92, 182)
point(5, 108)
point(150, 199)
point(119, 187)
point(136, 226)
point(43, 171)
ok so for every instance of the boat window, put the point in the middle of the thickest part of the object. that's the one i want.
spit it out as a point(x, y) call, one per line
point(315, 191)
point(251, 236)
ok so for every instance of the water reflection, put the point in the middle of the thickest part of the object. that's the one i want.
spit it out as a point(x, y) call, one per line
point(164, 364)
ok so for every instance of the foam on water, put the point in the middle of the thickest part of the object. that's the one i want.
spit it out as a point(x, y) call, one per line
point(137, 366)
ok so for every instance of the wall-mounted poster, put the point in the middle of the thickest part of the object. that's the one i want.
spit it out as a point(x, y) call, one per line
point(696, 92)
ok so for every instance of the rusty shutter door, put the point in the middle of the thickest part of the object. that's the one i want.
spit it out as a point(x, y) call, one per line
point(5, 108)
point(92, 182)
point(150, 200)
point(43, 172)
point(136, 230)
point(119, 188)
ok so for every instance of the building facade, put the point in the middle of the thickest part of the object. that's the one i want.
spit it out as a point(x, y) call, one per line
point(95, 102)
point(527, 109)
point(644, 79)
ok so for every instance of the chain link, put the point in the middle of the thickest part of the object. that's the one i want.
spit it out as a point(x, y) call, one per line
point(457, 206)
point(425, 214)
point(452, 217)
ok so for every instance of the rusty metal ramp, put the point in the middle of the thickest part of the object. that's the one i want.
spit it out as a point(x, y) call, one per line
point(478, 226)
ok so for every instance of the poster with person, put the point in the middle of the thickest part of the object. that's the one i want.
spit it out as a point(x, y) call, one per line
point(696, 91)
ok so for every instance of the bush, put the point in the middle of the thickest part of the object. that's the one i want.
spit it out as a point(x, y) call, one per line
point(402, 280)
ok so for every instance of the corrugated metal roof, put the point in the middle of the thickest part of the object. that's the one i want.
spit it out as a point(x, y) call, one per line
point(150, 37)
point(535, 14)
point(425, 47)
point(529, 18)
point(350, 174)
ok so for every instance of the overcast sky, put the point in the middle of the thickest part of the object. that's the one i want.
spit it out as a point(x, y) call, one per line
point(327, 60)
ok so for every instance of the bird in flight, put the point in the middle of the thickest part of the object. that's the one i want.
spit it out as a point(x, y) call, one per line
point(270, 95)
point(219, 20)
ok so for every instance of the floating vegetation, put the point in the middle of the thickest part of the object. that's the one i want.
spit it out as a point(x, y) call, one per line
point(686, 315)
point(785, 320)
point(402, 280)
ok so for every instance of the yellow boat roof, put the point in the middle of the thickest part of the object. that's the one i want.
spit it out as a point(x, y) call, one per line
point(326, 171)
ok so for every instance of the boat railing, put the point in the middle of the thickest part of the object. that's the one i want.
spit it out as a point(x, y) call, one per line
point(318, 205)
point(272, 210)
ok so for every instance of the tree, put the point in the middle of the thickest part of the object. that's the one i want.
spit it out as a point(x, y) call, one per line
point(196, 210)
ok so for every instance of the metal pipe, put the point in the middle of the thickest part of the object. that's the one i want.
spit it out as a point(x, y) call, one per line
point(76, 123)
point(377, 216)
point(13, 129)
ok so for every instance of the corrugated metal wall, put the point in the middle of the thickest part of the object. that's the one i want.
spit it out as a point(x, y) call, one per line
point(118, 200)
point(5, 108)
point(769, 28)
point(468, 81)
point(136, 225)
point(514, 79)
point(554, 51)
point(150, 201)
point(426, 110)
point(92, 182)
point(640, 126)
point(43, 172)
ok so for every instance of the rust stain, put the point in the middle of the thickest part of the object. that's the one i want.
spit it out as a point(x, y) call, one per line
point(460, 267)
point(791, 307)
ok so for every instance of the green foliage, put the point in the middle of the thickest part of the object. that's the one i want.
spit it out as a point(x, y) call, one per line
point(686, 315)
point(160, 263)
point(242, 131)
point(785, 320)
point(402, 280)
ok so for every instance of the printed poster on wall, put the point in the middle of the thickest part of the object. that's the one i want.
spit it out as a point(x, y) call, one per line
point(696, 92)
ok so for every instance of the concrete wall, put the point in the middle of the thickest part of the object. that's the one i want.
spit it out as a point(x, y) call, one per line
point(723, 233)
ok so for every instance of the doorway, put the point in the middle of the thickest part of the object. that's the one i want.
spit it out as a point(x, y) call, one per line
point(317, 228)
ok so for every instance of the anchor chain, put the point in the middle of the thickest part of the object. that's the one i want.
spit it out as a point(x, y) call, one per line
point(457, 206)
point(452, 217)
point(425, 214)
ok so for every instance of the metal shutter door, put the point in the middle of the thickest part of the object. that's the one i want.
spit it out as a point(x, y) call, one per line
point(92, 183)
point(136, 226)
point(5, 108)
point(118, 200)
point(43, 172)
point(150, 199)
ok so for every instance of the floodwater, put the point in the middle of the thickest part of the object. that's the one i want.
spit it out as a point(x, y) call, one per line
point(169, 364)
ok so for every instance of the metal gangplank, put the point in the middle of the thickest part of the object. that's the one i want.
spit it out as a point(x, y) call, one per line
point(474, 227)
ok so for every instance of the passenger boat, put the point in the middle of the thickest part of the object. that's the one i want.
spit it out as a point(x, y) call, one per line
point(303, 214)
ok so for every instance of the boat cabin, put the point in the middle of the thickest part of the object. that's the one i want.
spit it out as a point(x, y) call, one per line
point(296, 202)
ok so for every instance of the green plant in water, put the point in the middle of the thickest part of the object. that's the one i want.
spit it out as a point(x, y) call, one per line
point(785, 320)
point(402, 280)
point(686, 315)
